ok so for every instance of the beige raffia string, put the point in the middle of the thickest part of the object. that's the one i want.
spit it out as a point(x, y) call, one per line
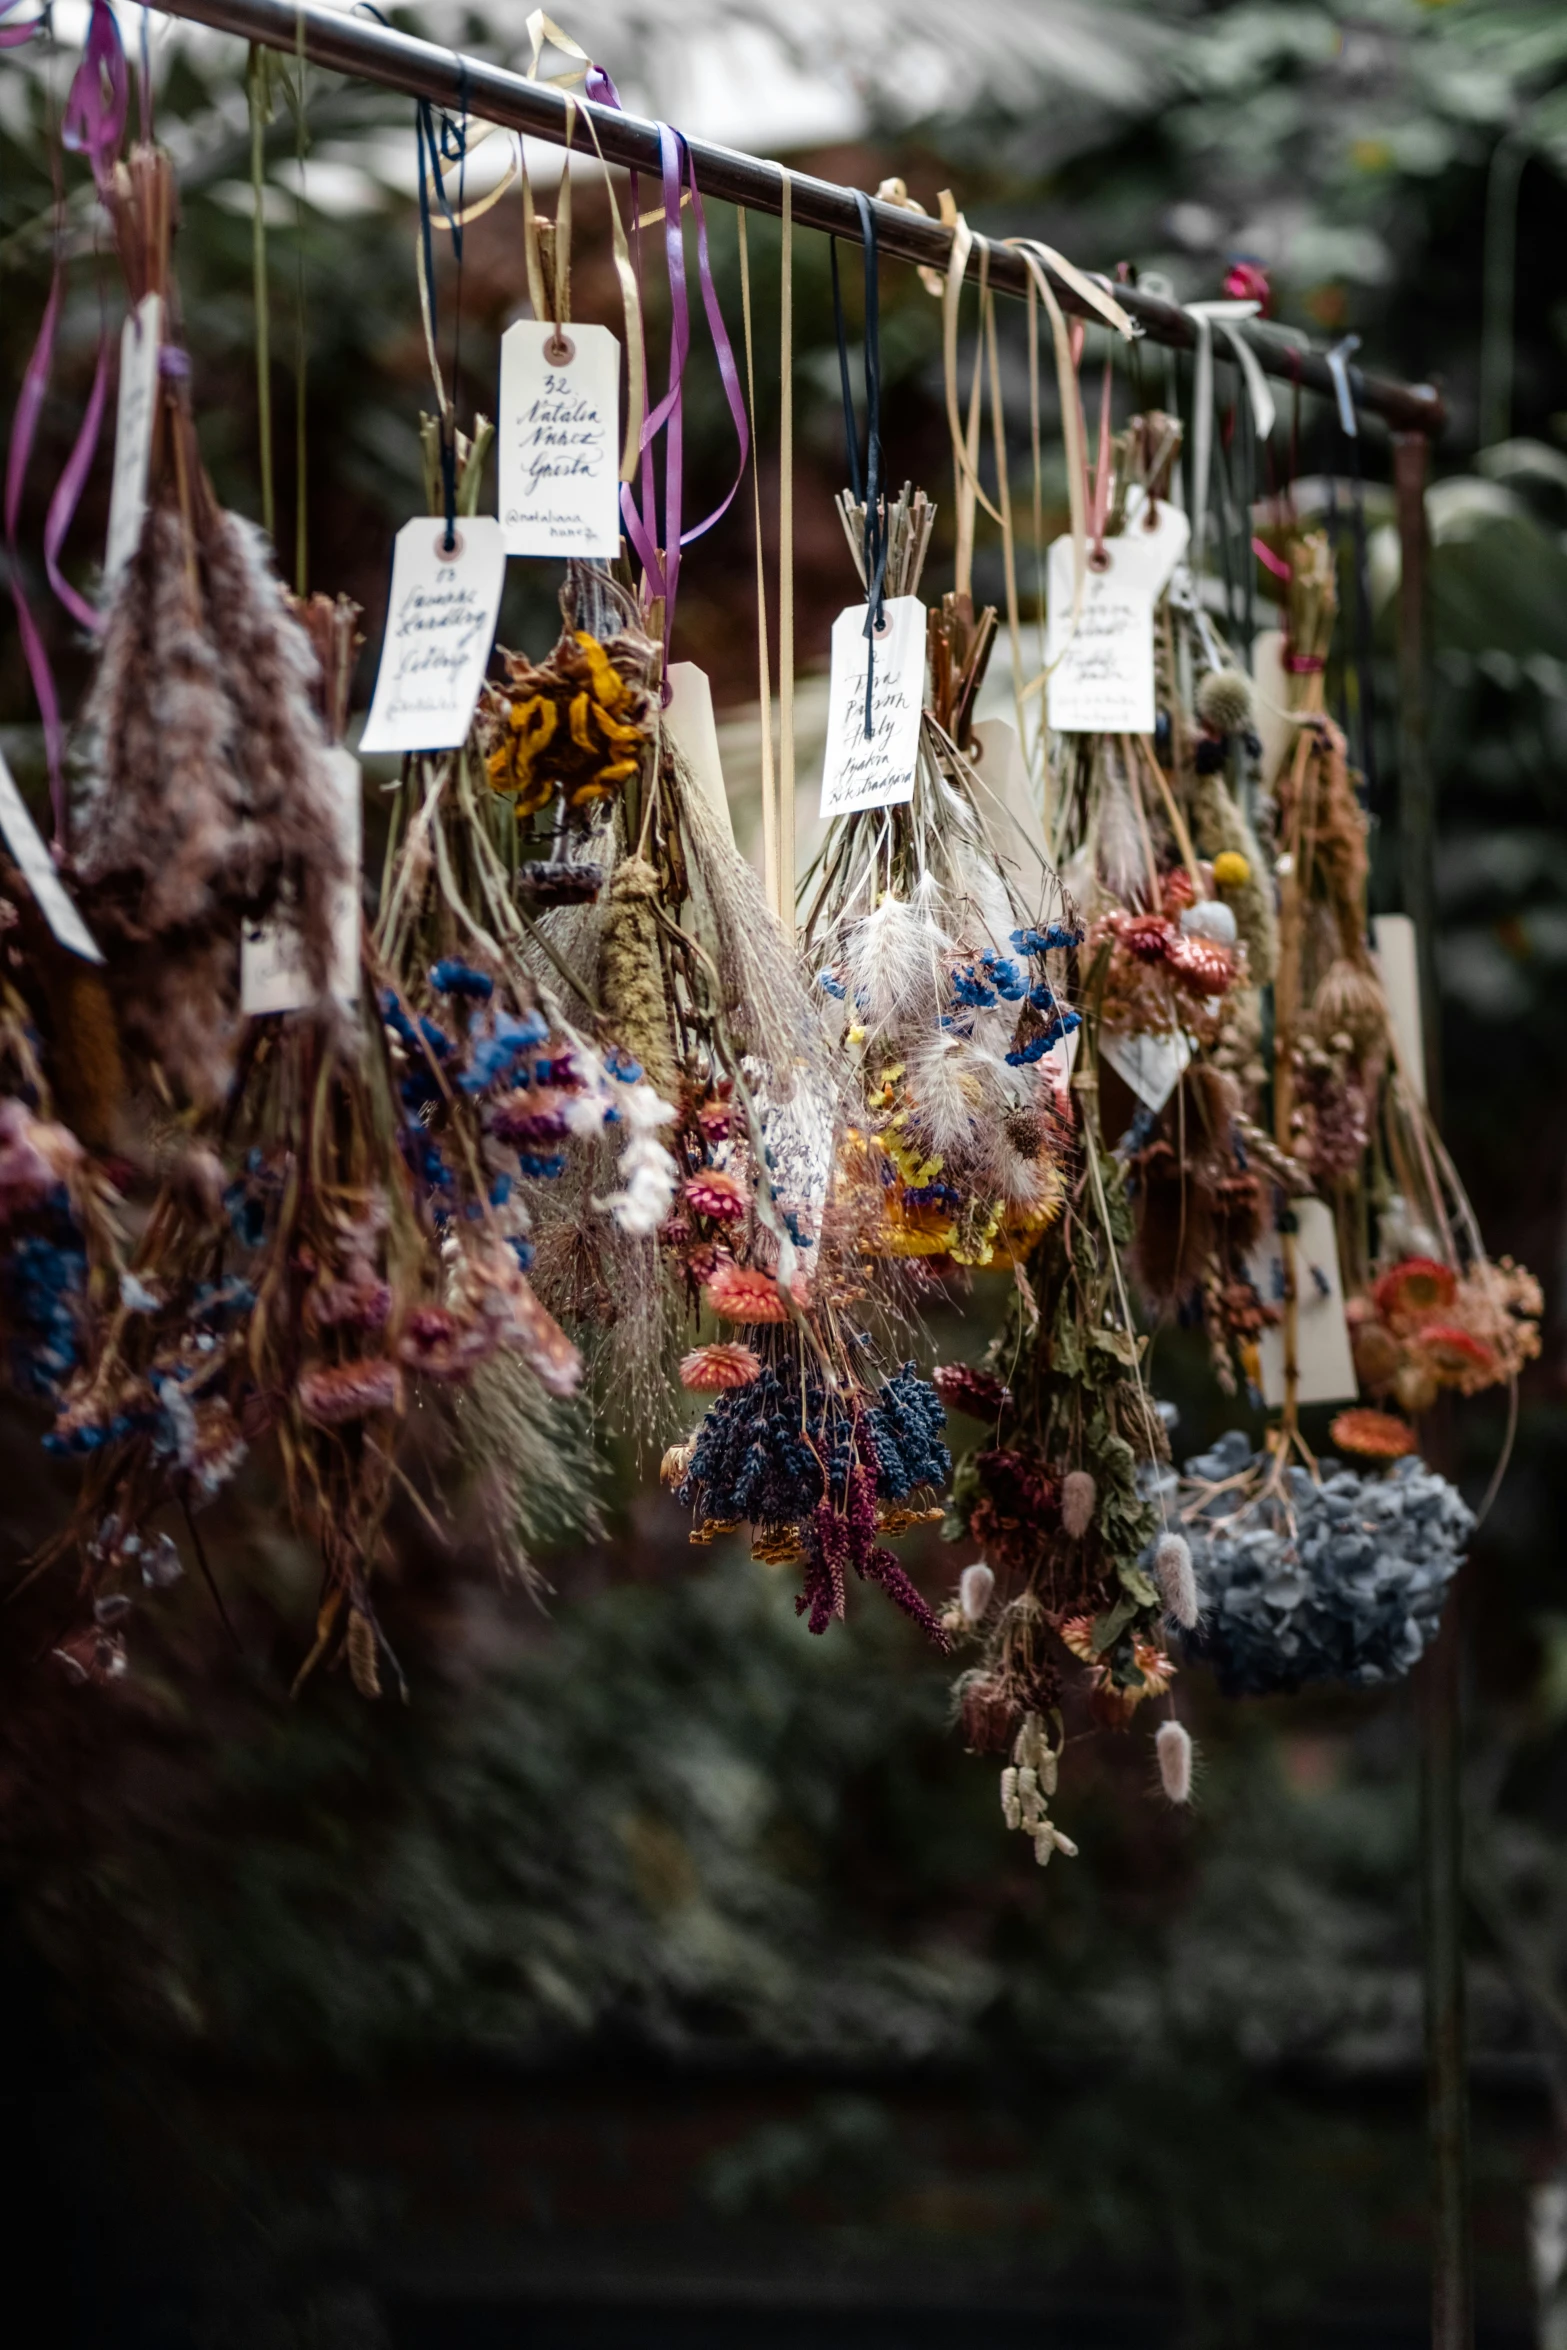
point(785, 900)
point(771, 854)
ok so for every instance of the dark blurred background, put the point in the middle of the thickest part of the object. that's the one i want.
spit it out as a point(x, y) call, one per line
point(660, 1975)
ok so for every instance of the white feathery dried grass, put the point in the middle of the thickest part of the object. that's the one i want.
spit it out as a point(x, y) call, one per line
point(773, 1016)
point(896, 960)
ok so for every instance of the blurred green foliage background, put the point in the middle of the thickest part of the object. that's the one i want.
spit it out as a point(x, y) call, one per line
point(658, 1957)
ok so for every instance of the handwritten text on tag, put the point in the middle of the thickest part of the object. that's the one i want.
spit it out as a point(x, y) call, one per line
point(875, 770)
point(560, 440)
point(1101, 678)
point(272, 972)
point(141, 339)
point(37, 866)
point(440, 625)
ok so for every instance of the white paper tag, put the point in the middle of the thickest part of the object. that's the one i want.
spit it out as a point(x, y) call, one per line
point(1011, 815)
point(1397, 952)
point(689, 722)
point(1151, 1065)
point(1149, 548)
point(141, 340)
point(559, 440)
point(1322, 1353)
point(440, 625)
point(1276, 729)
point(38, 871)
point(1101, 677)
point(272, 973)
point(875, 770)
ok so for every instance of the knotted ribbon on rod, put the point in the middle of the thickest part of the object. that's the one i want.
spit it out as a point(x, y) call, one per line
point(661, 562)
point(1204, 316)
point(866, 481)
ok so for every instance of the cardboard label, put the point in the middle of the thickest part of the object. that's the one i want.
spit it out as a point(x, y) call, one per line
point(440, 626)
point(38, 871)
point(1008, 807)
point(272, 973)
point(1323, 1359)
point(874, 770)
point(1101, 671)
point(559, 441)
point(1275, 728)
point(141, 340)
point(1397, 952)
point(689, 722)
point(1151, 1065)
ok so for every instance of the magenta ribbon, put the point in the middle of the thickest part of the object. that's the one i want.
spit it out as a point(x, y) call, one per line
point(94, 124)
point(13, 35)
point(661, 564)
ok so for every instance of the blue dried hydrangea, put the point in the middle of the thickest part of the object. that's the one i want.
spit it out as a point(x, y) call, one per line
point(1354, 1595)
point(751, 1461)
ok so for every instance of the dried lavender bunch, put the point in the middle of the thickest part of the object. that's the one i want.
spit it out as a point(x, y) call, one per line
point(818, 1472)
point(205, 797)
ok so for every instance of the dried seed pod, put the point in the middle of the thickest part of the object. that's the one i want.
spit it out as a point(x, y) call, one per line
point(1173, 1746)
point(361, 1654)
point(1172, 1566)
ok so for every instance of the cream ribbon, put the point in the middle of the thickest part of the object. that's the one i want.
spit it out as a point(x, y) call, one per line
point(1205, 316)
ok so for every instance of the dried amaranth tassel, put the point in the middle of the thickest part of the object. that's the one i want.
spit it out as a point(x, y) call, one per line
point(631, 975)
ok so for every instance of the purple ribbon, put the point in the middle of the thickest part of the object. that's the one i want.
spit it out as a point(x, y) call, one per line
point(13, 35)
point(661, 565)
point(94, 124)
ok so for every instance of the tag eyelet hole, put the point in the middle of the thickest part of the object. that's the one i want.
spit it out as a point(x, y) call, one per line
point(1100, 560)
point(560, 350)
point(448, 554)
point(881, 628)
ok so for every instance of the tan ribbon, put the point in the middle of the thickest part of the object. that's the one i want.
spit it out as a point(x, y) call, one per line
point(786, 851)
point(770, 843)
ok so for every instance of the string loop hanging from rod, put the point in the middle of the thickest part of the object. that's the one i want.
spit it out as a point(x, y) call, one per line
point(355, 45)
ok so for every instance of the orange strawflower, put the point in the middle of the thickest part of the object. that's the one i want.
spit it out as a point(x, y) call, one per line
point(1376, 1436)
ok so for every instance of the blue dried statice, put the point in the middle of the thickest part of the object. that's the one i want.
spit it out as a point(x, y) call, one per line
point(1044, 942)
point(1355, 1594)
point(43, 1282)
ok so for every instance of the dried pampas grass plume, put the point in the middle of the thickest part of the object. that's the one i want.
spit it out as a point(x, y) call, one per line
point(1173, 1746)
point(1173, 1571)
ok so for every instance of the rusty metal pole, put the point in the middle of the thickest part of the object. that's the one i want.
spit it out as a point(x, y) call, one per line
point(1439, 1681)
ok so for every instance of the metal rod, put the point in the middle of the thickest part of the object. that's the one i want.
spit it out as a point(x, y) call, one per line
point(373, 52)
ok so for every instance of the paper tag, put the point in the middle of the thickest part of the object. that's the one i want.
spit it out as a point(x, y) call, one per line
point(559, 440)
point(1011, 816)
point(141, 340)
point(440, 625)
point(1151, 1065)
point(272, 973)
point(38, 871)
point(874, 771)
point(689, 722)
point(1397, 954)
point(1275, 728)
point(1101, 677)
point(1148, 550)
point(1322, 1352)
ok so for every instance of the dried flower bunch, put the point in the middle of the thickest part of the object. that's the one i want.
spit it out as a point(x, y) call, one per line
point(938, 963)
point(205, 796)
point(571, 728)
point(1338, 1576)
